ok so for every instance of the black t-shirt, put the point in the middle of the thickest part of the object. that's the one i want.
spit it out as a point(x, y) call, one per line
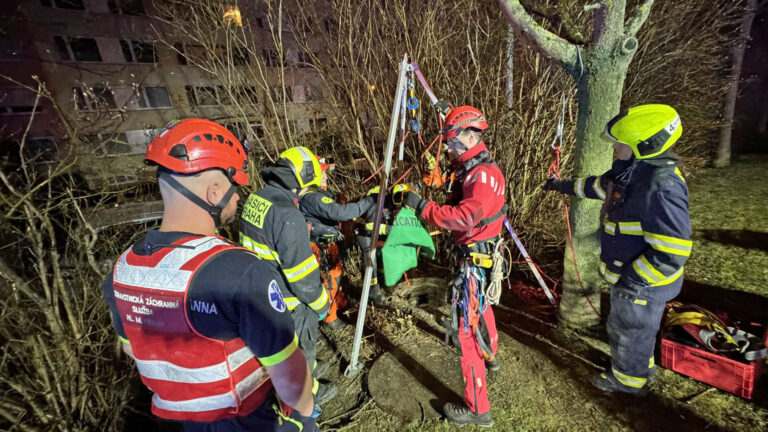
point(229, 297)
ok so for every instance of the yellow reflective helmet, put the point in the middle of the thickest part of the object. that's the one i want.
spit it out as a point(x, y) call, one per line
point(649, 130)
point(304, 165)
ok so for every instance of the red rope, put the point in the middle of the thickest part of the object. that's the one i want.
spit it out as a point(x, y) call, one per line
point(396, 182)
point(382, 165)
point(554, 170)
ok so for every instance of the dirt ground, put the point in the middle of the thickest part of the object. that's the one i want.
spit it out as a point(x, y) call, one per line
point(543, 384)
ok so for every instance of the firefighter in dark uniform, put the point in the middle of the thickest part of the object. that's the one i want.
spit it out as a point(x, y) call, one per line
point(323, 215)
point(364, 235)
point(475, 215)
point(204, 319)
point(645, 237)
point(273, 227)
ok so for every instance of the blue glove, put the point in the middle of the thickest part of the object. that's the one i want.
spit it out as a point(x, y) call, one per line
point(316, 412)
point(320, 318)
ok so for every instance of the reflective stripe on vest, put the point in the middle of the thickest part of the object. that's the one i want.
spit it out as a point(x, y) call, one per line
point(193, 377)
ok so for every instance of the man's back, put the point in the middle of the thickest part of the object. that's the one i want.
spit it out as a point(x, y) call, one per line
point(240, 310)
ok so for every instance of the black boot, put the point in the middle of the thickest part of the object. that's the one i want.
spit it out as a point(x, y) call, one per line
point(325, 392)
point(462, 415)
point(492, 365)
point(606, 382)
point(321, 368)
point(335, 325)
point(377, 297)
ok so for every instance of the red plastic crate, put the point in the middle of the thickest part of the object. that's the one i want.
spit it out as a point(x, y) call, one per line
point(730, 375)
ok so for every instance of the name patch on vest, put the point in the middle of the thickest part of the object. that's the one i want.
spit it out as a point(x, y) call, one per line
point(255, 210)
point(204, 307)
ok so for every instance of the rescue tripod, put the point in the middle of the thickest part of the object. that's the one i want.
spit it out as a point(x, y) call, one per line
point(401, 106)
point(397, 108)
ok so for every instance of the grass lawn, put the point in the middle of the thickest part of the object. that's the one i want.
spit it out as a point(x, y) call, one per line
point(729, 215)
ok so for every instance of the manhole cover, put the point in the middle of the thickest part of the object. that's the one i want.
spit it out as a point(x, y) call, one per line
point(414, 386)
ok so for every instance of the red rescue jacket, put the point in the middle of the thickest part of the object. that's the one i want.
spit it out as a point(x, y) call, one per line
point(477, 206)
point(192, 377)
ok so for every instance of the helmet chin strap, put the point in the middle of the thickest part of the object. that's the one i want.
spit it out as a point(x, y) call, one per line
point(213, 210)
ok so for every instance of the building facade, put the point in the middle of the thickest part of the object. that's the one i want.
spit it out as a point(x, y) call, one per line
point(118, 71)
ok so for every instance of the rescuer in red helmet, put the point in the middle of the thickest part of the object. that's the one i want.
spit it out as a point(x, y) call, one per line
point(203, 319)
point(475, 215)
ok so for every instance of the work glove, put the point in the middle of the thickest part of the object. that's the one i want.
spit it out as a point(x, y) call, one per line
point(553, 184)
point(431, 163)
point(370, 200)
point(442, 107)
point(413, 201)
point(316, 412)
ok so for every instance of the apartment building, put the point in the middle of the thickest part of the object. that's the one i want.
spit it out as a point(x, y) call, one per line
point(117, 78)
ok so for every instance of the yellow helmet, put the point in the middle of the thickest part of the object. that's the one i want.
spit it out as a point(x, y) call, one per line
point(649, 130)
point(304, 164)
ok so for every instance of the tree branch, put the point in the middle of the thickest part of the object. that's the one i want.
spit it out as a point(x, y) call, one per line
point(637, 18)
point(558, 16)
point(548, 43)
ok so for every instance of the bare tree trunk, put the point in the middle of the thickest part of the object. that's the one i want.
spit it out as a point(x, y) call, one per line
point(723, 157)
point(599, 99)
point(600, 84)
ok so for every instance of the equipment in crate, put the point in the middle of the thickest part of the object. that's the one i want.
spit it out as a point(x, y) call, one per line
point(695, 326)
point(707, 347)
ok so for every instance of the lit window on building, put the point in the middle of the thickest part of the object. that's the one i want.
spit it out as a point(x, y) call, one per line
point(77, 49)
point(138, 51)
point(127, 7)
point(64, 4)
point(93, 98)
point(232, 15)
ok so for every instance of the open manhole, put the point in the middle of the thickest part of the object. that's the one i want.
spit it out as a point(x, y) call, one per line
point(428, 292)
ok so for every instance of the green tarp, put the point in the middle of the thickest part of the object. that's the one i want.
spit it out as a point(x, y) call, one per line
point(406, 238)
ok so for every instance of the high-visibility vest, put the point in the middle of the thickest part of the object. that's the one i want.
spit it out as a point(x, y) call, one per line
point(193, 377)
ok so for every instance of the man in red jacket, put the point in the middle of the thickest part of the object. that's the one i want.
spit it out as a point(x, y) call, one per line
point(475, 214)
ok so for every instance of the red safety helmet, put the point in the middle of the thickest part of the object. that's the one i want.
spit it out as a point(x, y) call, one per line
point(460, 118)
point(192, 145)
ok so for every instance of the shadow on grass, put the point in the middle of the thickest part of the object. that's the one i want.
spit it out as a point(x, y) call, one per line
point(744, 239)
point(739, 305)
